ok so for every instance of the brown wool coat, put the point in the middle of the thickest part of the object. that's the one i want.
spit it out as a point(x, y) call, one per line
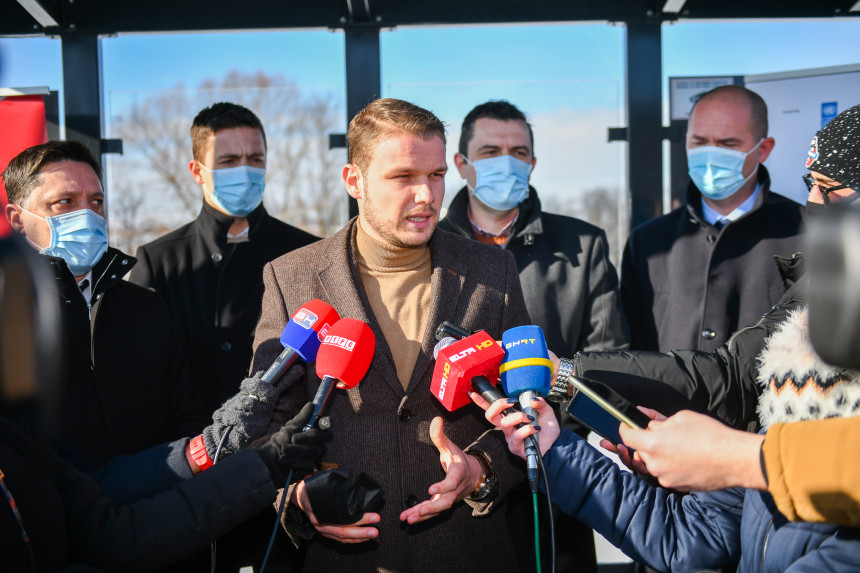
point(382, 430)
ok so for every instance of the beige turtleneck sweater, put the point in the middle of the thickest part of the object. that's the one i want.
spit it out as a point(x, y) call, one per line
point(397, 283)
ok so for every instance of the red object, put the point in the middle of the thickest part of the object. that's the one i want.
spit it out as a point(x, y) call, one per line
point(346, 352)
point(458, 363)
point(199, 453)
point(321, 316)
point(24, 125)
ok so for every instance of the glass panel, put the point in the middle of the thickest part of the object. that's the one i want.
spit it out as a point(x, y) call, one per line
point(150, 189)
point(567, 79)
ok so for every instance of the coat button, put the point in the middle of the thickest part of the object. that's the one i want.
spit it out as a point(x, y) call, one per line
point(411, 501)
point(113, 276)
point(709, 334)
point(226, 347)
point(125, 261)
point(216, 258)
point(404, 415)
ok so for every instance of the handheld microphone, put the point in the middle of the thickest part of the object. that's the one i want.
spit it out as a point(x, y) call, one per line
point(526, 373)
point(343, 359)
point(462, 366)
point(301, 336)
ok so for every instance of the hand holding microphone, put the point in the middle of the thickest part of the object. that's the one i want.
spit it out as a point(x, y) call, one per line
point(343, 360)
point(517, 427)
point(249, 411)
point(291, 449)
point(526, 374)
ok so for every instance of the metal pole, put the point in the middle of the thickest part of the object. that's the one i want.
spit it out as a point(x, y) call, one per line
point(363, 75)
point(644, 120)
point(82, 73)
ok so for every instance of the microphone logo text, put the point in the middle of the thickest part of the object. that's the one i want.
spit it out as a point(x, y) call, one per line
point(323, 331)
point(305, 318)
point(340, 342)
point(445, 373)
point(510, 345)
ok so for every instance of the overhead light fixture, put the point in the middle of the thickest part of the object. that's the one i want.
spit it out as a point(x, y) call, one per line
point(38, 13)
point(675, 6)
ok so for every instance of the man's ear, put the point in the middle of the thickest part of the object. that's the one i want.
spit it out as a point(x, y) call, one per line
point(352, 180)
point(765, 148)
point(194, 168)
point(461, 164)
point(13, 215)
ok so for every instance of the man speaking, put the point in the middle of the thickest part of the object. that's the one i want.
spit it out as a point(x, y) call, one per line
point(389, 268)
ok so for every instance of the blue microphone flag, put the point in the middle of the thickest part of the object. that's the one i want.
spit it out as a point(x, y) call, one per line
point(526, 365)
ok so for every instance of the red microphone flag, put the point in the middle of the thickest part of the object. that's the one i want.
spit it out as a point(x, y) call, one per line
point(458, 363)
point(346, 352)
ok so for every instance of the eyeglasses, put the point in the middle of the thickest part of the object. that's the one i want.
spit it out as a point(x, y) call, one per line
point(825, 191)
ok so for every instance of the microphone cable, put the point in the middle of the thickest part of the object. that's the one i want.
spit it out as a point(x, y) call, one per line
point(277, 521)
point(212, 546)
point(549, 513)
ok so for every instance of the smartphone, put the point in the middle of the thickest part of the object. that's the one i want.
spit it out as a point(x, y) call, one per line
point(601, 409)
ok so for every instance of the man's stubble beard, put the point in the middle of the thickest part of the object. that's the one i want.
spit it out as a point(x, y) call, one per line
point(383, 230)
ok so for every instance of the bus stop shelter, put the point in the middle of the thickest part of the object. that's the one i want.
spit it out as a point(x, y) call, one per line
point(80, 24)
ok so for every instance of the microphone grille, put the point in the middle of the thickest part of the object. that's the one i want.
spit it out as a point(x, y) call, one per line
point(447, 341)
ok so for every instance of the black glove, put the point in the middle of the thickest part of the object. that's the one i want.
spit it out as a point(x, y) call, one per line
point(342, 496)
point(293, 449)
point(248, 412)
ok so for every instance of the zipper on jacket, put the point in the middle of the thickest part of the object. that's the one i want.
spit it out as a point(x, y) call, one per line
point(764, 316)
point(766, 538)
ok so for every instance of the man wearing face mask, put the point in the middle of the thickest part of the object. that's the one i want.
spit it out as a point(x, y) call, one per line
point(692, 277)
point(210, 271)
point(569, 284)
point(127, 382)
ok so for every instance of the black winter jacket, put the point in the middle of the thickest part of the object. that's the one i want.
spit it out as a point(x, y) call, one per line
point(127, 385)
point(687, 285)
point(721, 383)
point(69, 520)
point(570, 286)
point(214, 290)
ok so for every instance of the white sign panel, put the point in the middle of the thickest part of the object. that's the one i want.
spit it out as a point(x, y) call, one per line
point(683, 92)
point(799, 104)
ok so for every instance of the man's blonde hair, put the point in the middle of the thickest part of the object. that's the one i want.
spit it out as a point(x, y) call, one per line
point(383, 117)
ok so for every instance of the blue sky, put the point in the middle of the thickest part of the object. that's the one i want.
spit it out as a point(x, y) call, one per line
point(444, 56)
point(567, 77)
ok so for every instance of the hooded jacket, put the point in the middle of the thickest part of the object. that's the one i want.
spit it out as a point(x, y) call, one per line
point(687, 285)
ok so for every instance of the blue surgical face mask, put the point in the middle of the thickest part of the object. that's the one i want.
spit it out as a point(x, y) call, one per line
point(80, 238)
point(501, 182)
point(718, 172)
point(238, 190)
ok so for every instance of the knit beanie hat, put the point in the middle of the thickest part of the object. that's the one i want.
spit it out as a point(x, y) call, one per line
point(835, 150)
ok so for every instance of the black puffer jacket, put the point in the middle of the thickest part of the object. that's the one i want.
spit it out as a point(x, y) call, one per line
point(687, 285)
point(127, 385)
point(721, 383)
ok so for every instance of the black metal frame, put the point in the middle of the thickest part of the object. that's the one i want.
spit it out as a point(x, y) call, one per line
point(82, 22)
